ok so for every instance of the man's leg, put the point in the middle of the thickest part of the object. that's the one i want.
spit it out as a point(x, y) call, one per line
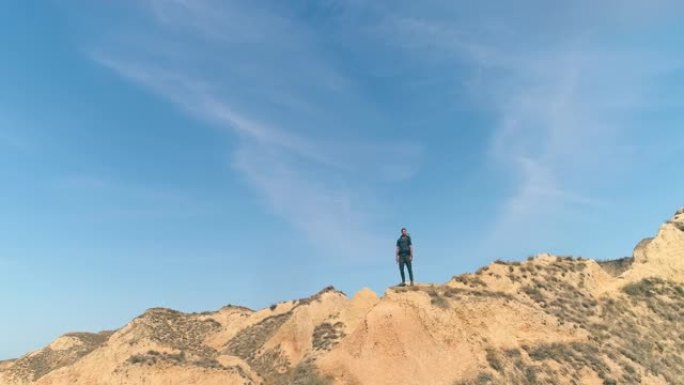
point(401, 269)
point(410, 269)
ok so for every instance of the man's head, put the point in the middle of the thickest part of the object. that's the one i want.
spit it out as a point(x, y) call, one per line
point(403, 231)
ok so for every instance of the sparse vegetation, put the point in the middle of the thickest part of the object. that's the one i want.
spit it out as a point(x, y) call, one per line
point(513, 368)
point(651, 287)
point(482, 378)
point(440, 302)
point(153, 357)
point(577, 355)
point(303, 374)
point(616, 331)
point(513, 354)
point(617, 266)
point(206, 362)
point(317, 296)
point(327, 335)
point(177, 330)
point(34, 366)
point(678, 224)
point(635, 333)
point(494, 360)
point(507, 263)
point(438, 294)
point(272, 365)
point(469, 280)
point(248, 340)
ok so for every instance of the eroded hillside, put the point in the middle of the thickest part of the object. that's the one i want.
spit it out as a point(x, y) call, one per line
point(547, 320)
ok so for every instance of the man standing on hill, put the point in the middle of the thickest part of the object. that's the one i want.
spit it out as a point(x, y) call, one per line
point(405, 255)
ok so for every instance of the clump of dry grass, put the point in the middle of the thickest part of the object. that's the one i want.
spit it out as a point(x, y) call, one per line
point(617, 266)
point(470, 280)
point(677, 224)
point(494, 360)
point(483, 378)
point(246, 343)
point(507, 263)
point(305, 373)
point(327, 335)
point(152, 357)
point(439, 301)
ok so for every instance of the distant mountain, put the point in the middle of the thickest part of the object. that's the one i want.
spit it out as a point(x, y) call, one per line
point(548, 320)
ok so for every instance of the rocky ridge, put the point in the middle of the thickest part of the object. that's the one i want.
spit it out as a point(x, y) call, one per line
point(546, 320)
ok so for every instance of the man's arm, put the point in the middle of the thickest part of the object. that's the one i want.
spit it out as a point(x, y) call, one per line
point(411, 253)
point(397, 255)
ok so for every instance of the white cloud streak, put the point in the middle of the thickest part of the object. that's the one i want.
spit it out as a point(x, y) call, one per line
point(562, 99)
point(315, 183)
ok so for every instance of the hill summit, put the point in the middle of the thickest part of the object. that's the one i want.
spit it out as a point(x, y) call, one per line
point(547, 320)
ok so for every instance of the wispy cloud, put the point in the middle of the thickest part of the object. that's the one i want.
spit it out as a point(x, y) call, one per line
point(563, 99)
point(307, 175)
point(327, 212)
point(562, 129)
point(538, 104)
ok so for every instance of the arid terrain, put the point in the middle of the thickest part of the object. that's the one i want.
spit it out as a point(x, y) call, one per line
point(547, 320)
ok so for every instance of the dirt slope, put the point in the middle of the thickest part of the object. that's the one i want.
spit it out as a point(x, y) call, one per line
point(548, 320)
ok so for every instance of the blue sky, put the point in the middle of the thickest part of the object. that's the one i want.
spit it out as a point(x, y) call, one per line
point(194, 154)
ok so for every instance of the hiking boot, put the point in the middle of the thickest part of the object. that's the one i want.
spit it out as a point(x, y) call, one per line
point(402, 284)
point(411, 283)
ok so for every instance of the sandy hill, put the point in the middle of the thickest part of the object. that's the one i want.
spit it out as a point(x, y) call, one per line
point(548, 320)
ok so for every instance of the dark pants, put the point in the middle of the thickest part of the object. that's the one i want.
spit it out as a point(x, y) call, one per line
point(404, 260)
